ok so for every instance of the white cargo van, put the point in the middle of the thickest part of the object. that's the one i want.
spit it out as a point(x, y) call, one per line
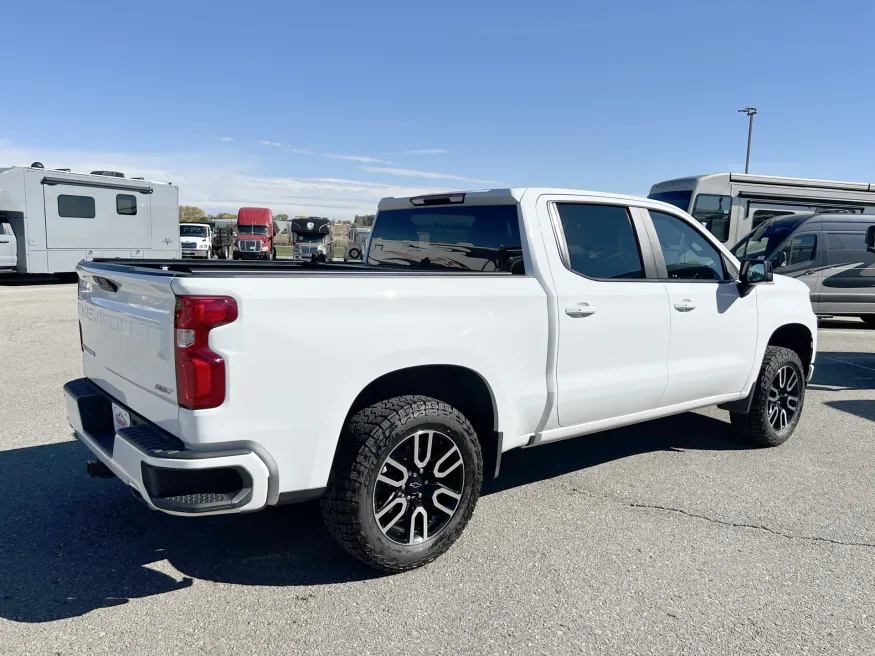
point(58, 218)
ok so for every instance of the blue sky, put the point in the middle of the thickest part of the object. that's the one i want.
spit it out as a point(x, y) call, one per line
point(323, 108)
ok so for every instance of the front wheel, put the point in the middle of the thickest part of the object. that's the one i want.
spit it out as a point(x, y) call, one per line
point(405, 480)
point(779, 394)
point(355, 254)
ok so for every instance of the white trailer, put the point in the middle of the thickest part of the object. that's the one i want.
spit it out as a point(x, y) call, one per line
point(58, 218)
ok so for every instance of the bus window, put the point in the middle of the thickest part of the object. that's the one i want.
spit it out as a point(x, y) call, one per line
point(712, 211)
point(680, 199)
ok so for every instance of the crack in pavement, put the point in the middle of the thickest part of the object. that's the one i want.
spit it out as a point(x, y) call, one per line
point(722, 522)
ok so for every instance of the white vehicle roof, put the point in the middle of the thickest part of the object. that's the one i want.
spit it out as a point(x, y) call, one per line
point(514, 195)
point(87, 177)
point(768, 180)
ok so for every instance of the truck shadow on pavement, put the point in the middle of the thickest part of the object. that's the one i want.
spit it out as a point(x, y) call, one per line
point(69, 545)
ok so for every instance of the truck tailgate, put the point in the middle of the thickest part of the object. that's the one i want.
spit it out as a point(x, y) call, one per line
point(127, 328)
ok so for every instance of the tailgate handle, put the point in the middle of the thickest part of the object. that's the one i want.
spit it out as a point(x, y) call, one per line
point(106, 284)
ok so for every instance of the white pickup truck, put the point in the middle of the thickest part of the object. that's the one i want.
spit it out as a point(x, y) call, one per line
point(494, 320)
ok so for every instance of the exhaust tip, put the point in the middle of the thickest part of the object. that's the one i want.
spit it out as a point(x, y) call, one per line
point(96, 469)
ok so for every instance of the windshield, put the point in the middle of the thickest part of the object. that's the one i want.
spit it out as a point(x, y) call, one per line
point(251, 229)
point(308, 237)
point(460, 238)
point(762, 242)
point(680, 199)
point(192, 230)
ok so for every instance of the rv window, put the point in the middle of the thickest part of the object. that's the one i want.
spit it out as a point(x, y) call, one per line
point(713, 212)
point(680, 199)
point(76, 207)
point(126, 204)
point(761, 216)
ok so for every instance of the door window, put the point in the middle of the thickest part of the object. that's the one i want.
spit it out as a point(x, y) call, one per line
point(601, 241)
point(848, 248)
point(799, 250)
point(687, 254)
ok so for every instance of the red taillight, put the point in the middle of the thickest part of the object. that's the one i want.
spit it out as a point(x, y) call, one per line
point(200, 373)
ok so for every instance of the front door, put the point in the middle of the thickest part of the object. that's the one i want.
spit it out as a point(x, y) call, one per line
point(803, 258)
point(613, 320)
point(713, 327)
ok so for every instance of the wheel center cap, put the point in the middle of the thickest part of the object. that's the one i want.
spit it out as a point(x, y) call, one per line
point(414, 483)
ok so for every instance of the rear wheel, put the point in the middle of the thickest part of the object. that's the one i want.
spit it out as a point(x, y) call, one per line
point(779, 394)
point(868, 319)
point(405, 480)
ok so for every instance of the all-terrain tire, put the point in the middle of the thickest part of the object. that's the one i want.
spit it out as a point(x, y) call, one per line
point(368, 439)
point(754, 426)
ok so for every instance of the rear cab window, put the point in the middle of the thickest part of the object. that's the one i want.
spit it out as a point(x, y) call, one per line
point(481, 238)
point(600, 241)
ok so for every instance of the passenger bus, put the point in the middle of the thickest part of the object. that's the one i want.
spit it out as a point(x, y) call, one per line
point(730, 205)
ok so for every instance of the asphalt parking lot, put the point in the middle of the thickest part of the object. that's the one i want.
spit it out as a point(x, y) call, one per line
point(667, 538)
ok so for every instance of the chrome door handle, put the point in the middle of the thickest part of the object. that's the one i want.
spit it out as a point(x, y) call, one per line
point(582, 310)
point(685, 305)
point(4, 241)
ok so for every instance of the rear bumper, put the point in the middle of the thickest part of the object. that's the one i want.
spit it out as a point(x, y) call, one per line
point(160, 469)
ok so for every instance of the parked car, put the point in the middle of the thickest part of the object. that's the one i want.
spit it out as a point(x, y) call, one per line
point(827, 252)
point(494, 320)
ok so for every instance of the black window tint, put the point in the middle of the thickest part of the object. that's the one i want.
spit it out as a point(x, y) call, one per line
point(680, 199)
point(601, 241)
point(76, 207)
point(126, 204)
point(461, 238)
point(687, 254)
point(848, 248)
point(800, 249)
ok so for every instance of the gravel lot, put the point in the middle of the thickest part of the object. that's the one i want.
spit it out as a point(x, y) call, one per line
point(665, 538)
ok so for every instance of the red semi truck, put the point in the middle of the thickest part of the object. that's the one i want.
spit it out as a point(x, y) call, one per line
point(254, 234)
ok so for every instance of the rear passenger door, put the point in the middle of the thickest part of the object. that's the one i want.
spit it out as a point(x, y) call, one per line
point(613, 315)
point(713, 327)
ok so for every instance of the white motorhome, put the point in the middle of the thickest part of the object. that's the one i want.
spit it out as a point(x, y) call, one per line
point(730, 205)
point(50, 220)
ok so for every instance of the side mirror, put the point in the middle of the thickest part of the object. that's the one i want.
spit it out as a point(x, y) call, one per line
point(780, 259)
point(755, 271)
point(870, 239)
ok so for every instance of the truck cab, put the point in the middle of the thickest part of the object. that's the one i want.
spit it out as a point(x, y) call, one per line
point(197, 240)
point(255, 234)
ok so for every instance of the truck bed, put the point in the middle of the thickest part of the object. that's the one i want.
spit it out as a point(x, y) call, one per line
point(236, 268)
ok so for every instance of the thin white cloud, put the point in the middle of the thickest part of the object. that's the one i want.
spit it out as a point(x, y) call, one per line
point(427, 175)
point(299, 151)
point(428, 151)
point(226, 139)
point(228, 185)
point(277, 144)
point(358, 158)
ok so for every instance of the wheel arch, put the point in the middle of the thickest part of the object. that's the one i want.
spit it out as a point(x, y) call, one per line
point(463, 388)
point(798, 338)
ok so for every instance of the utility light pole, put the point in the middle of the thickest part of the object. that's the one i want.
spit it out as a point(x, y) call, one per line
point(750, 111)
